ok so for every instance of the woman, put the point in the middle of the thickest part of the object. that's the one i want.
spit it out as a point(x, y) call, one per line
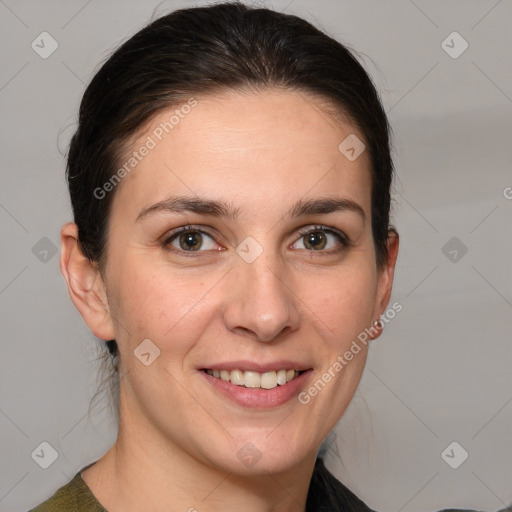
point(230, 182)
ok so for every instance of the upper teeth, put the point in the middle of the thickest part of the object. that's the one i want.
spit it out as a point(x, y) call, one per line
point(267, 380)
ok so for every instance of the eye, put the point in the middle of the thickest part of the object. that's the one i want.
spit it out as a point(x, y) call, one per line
point(320, 238)
point(189, 239)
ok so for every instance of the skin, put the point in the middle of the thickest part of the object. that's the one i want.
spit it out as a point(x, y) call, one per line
point(178, 437)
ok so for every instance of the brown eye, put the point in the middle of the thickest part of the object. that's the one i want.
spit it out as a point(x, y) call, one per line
point(324, 239)
point(315, 240)
point(190, 240)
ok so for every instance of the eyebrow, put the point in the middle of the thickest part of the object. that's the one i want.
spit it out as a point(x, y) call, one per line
point(181, 204)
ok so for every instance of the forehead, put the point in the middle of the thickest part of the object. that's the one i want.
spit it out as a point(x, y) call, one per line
point(261, 148)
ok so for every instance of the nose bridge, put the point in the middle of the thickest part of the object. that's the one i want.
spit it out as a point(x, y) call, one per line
point(263, 302)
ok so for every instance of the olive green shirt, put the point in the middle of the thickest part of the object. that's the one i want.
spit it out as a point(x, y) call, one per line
point(75, 496)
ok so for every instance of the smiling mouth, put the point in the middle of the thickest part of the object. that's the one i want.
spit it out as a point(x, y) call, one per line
point(249, 379)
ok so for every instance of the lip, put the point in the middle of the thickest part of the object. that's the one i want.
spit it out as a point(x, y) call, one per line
point(251, 366)
point(257, 398)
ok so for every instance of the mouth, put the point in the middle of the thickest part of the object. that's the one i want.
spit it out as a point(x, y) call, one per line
point(257, 386)
point(255, 380)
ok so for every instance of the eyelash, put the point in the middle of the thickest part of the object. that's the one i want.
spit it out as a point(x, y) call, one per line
point(342, 238)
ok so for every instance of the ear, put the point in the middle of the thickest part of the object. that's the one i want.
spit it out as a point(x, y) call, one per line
point(385, 280)
point(85, 284)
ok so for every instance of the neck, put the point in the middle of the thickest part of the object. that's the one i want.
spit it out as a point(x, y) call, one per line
point(145, 471)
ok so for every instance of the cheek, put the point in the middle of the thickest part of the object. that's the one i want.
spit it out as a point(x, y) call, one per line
point(154, 302)
point(341, 301)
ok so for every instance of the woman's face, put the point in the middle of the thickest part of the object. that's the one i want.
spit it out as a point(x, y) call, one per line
point(277, 272)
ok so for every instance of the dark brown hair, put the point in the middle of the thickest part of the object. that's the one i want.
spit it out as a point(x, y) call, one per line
point(202, 50)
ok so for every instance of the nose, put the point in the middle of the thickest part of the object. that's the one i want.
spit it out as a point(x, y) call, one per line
point(262, 304)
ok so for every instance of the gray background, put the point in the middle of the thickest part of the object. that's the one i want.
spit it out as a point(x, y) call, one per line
point(440, 373)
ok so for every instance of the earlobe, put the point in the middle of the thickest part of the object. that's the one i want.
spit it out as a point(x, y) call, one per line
point(85, 284)
point(385, 281)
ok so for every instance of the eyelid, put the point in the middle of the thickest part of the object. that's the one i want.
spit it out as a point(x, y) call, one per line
point(345, 240)
point(171, 235)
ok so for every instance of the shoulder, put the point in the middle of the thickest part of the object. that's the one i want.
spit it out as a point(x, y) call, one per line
point(508, 509)
point(328, 494)
point(75, 496)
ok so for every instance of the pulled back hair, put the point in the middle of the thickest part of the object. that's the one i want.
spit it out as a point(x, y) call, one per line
point(206, 50)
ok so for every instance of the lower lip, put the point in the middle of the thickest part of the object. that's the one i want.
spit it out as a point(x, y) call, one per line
point(258, 398)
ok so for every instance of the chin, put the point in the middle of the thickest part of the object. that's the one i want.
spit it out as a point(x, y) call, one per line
point(260, 456)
